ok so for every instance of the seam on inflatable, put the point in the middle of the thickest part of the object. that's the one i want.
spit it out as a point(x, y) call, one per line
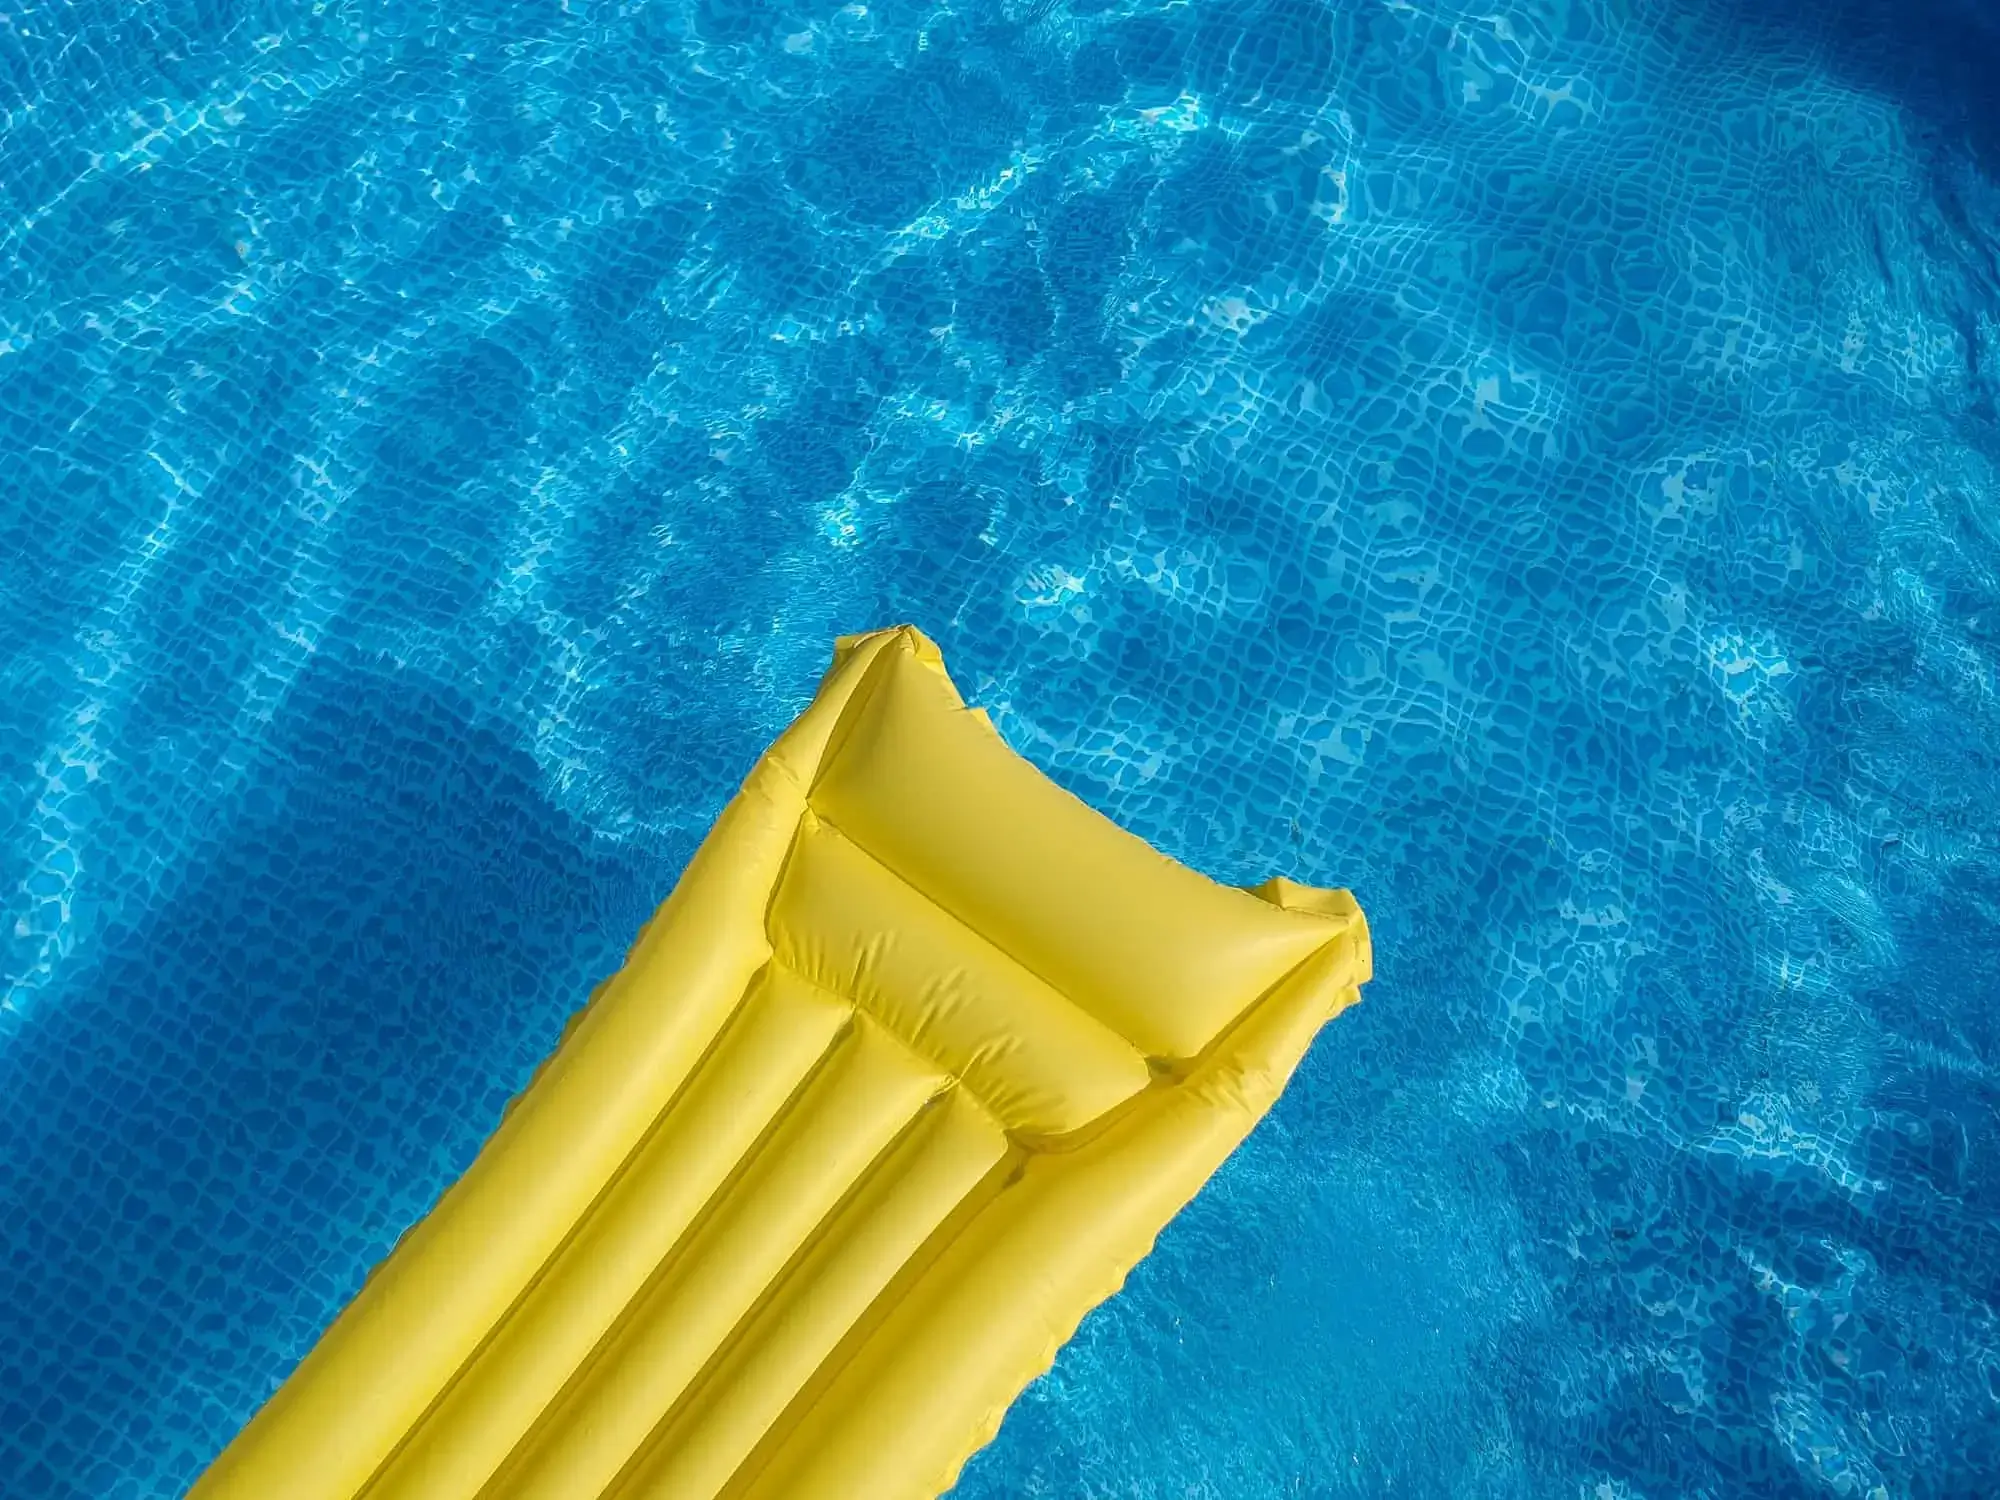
point(1002, 1175)
point(494, 1488)
point(1174, 1073)
point(471, 1360)
point(918, 1053)
point(774, 1288)
point(766, 922)
point(857, 704)
point(1001, 948)
point(989, 1425)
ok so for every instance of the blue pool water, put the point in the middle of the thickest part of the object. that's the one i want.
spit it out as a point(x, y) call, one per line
point(1533, 461)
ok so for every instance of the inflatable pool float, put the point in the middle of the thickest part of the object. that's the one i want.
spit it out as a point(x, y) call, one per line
point(901, 1081)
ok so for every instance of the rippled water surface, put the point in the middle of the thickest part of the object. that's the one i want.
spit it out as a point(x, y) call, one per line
point(1533, 461)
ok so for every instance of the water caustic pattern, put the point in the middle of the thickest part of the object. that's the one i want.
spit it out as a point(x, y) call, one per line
point(1529, 461)
point(903, 1079)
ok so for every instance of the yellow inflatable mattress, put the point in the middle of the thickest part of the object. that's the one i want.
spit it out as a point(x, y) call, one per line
point(903, 1079)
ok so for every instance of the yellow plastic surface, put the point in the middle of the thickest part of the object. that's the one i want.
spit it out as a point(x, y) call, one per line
point(903, 1079)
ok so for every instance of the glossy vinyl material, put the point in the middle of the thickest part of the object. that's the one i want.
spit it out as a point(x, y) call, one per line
point(903, 1079)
